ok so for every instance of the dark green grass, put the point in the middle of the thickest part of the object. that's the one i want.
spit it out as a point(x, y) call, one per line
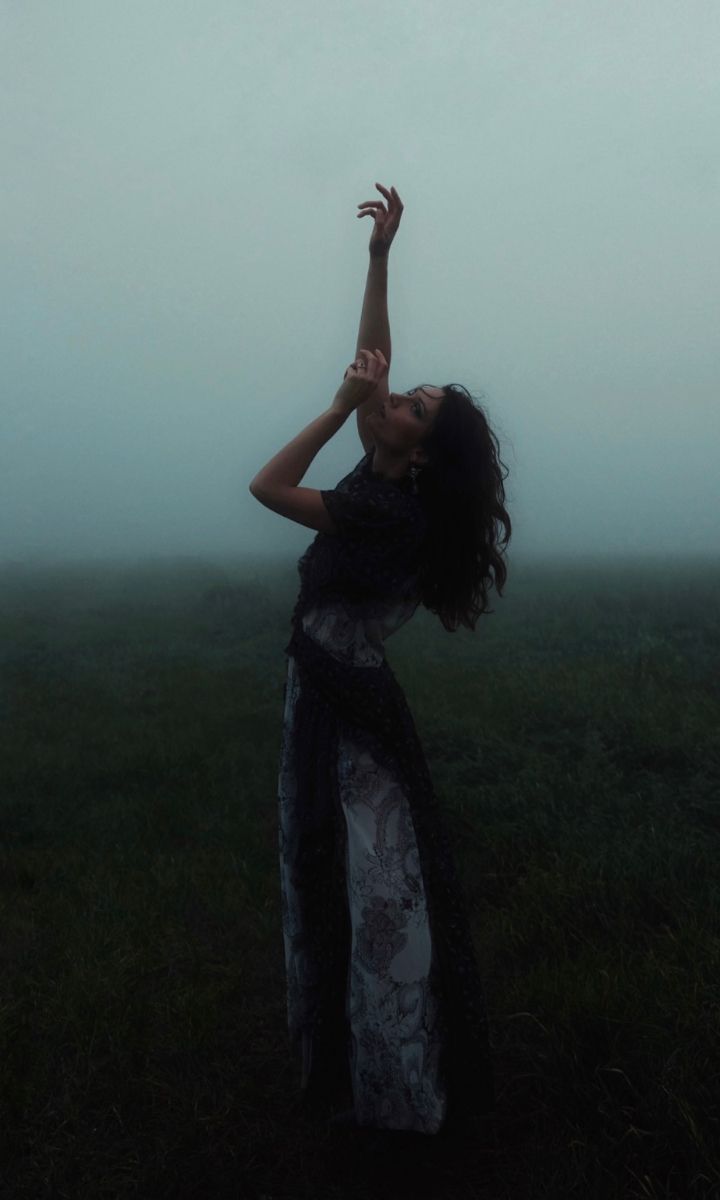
point(574, 741)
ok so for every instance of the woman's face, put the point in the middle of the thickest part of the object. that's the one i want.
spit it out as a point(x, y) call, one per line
point(404, 419)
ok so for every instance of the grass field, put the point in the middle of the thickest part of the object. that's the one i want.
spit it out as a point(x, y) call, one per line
point(574, 741)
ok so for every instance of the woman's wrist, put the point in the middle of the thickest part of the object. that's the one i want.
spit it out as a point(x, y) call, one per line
point(341, 409)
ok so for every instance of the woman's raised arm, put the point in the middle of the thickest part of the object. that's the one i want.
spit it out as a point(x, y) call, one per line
point(374, 321)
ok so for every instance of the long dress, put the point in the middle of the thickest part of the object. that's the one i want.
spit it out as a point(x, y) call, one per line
point(384, 998)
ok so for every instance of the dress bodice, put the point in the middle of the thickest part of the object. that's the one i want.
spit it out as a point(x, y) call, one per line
point(359, 584)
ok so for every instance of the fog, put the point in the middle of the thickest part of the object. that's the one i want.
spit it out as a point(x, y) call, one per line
point(183, 268)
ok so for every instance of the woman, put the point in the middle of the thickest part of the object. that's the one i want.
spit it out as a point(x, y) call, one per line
point(384, 997)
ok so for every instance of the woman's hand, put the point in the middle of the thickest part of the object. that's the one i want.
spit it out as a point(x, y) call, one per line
point(360, 380)
point(386, 220)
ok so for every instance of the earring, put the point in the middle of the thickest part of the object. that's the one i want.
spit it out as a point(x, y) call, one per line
point(414, 472)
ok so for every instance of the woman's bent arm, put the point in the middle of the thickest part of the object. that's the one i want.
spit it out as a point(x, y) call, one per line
point(286, 469)
point(289, 465)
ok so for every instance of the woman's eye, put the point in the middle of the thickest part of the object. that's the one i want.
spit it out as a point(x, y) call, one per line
point(417, 407)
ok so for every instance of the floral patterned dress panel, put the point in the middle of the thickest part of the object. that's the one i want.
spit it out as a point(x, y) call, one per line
point(392, 1007)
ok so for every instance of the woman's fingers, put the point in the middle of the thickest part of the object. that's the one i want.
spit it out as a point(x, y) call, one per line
point(391, 196)
point(370, 359)
point(367, 367)
point(381, 362)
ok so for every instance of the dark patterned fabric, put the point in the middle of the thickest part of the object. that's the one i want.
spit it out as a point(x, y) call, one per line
point(367, 867)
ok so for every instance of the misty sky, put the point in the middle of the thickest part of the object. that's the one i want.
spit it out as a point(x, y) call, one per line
point(183, 269)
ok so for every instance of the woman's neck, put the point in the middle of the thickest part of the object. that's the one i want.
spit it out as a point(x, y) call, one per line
point(388, 468)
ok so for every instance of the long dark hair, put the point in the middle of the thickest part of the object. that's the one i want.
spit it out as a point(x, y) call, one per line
point(461, 486)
